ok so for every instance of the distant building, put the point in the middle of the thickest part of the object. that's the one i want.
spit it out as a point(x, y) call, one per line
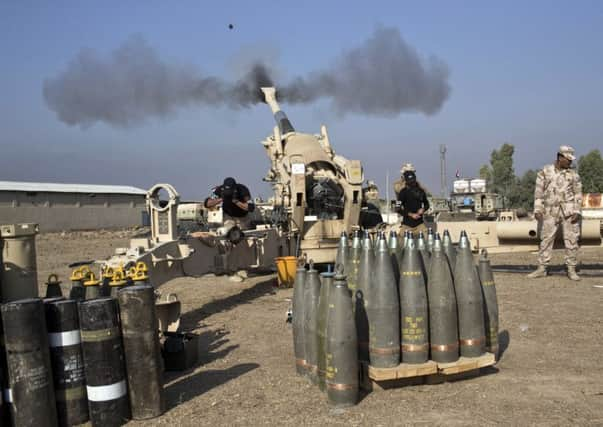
point(57, 207)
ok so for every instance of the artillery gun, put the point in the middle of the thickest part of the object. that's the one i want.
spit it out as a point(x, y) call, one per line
point(317, 193)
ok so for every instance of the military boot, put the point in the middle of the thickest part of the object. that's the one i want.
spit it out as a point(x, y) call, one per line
point(571, 273)
point(539, 272)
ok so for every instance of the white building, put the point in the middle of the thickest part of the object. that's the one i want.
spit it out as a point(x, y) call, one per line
point(57, 207)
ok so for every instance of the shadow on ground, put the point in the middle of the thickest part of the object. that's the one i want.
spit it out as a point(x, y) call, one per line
point(195, 385)
point(503, 342)
point(191, 319)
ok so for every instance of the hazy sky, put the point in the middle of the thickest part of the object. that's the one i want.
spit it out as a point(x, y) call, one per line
point(527, 73)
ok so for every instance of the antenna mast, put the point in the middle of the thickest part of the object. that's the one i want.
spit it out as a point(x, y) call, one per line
point(443, 189)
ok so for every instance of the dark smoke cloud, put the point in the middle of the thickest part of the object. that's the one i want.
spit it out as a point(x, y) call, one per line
point(384, 76)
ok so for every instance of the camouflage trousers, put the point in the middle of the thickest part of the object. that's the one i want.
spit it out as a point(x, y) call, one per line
point(242, 222)
point(548, 228)
point(415, 230)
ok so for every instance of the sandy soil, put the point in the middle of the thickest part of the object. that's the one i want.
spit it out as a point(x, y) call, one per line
point(549, 372)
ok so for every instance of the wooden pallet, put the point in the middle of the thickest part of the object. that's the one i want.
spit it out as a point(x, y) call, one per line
point(372, 378)
point(403, 370)
point(466, 364)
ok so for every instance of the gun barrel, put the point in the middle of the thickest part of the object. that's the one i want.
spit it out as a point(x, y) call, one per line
point(281, 118)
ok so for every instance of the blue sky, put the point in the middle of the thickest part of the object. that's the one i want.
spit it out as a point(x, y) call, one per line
point(527, 73)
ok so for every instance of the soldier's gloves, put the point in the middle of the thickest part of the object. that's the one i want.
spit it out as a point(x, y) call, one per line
point(538, 216)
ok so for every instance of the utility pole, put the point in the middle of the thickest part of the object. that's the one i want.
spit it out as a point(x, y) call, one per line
point(443, 189)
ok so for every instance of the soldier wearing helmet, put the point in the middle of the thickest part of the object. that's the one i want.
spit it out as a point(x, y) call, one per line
point(557, 203)
point(235, 200)
point(413, 200)
point(401, 183)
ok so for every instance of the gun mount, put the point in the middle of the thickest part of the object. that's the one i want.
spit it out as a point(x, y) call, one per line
point(317, 192)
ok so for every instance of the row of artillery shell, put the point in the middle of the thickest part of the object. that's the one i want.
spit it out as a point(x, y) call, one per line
point(324, 334)
point(70, 362)
point(406, 303)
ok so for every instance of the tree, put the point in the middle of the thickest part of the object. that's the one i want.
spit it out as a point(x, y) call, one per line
point(486, 173)
point(590, 169)
point(502, 171)
point(522, 194)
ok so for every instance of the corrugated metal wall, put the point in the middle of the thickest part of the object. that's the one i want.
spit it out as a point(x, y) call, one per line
point(72, 211)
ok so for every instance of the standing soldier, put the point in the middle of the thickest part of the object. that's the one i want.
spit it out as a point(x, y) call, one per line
point(412, 198)
point(557, 201)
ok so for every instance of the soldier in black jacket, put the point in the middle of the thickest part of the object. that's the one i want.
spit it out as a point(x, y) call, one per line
point(235, 199)
point(413, 203)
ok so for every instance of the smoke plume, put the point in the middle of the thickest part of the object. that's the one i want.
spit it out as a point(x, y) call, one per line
point(384, 76)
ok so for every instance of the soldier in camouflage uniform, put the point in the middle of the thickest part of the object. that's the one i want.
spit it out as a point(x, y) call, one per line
point(557, 202)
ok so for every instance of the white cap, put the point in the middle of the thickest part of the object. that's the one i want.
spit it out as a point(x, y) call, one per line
point(407, 167)
point(567, 152)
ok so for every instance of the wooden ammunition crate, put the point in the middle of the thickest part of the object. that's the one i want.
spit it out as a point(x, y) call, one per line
point(430, 372)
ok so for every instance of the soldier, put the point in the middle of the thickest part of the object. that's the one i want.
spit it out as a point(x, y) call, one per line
point(413, 202)
point(236, 202)
point(400, 183)
point(557, 202)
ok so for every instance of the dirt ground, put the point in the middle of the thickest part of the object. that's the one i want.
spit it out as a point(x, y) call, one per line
point(551, 333)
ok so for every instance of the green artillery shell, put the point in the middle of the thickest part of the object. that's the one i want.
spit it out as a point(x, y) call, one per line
point(414, 320)
point(490, 302)
point(353, 264)
point(469, 302)
point(425, 255)
point(365, 277)
point(443, 320)
point(430, 239)
point(342, 355)
point(449, 250)
point(323, 306)
point(396, 254)
point(311, 294)
point(298, 319)
point(383, 309)
point(343, 250)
